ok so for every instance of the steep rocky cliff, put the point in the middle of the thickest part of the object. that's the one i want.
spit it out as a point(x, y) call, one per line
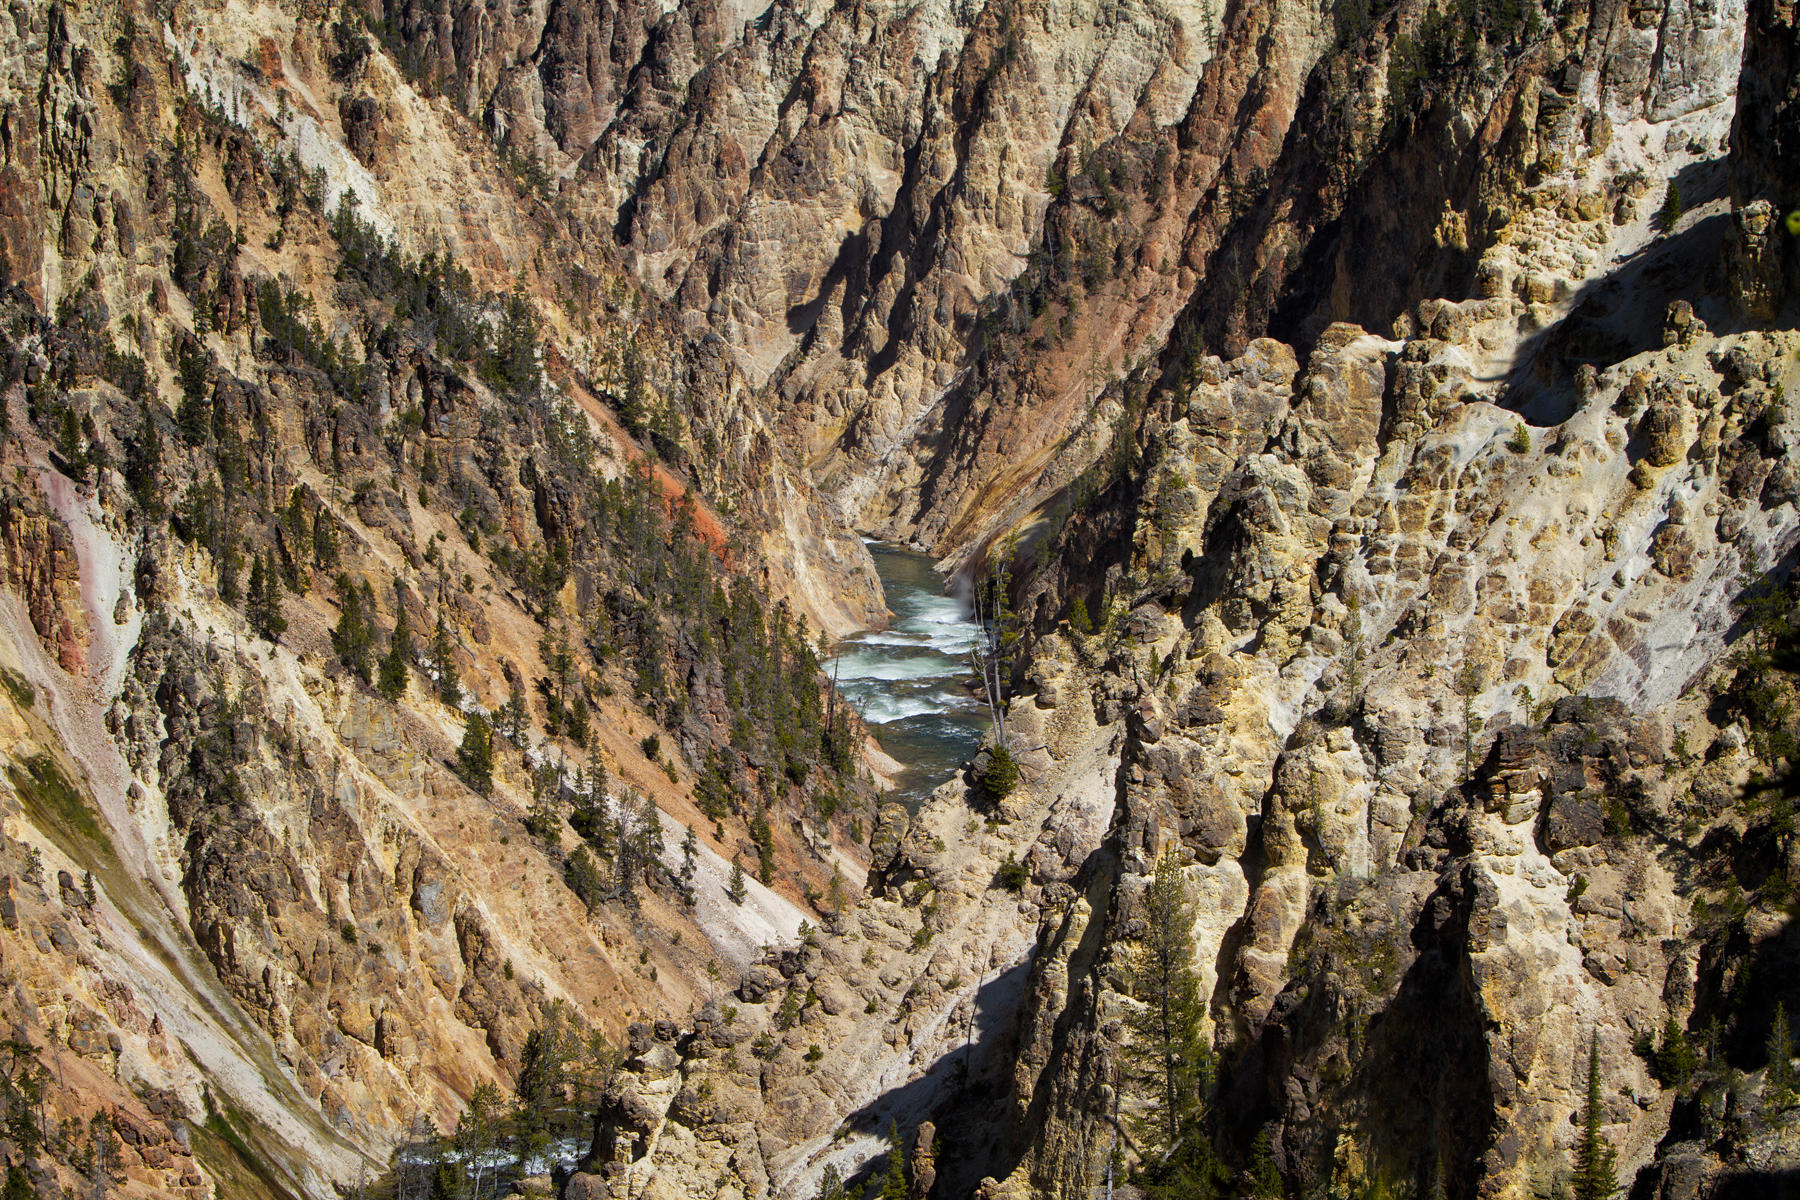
point(405, 626)
point(435, 433)
point(1416, 648)
point(943, 235)
point(1413, 917)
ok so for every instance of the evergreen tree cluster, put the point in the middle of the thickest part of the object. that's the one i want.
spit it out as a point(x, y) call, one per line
point(90, 1147)
point(295, 336)
point(393, 672)
point(564, 1069)
point(739, 681)
point(262, 603)
point(432, 296)
point(1445, 36)
point(621, 851)
point(733, 682)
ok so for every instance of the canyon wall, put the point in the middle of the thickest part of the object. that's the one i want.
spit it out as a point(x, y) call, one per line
point(1387, 407)
point(1417, 645)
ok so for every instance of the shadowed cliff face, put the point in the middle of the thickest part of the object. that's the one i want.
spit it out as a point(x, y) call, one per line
point(1764, 186)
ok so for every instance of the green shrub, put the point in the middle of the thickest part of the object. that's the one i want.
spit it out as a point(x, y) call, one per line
point(1670, 213)
point(475, 757)
point(1012, 874)
point(998, 778)
point(1618, 817)
point(1675, 1060)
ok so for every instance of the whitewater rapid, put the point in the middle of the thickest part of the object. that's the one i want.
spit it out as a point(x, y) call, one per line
point(912, 681)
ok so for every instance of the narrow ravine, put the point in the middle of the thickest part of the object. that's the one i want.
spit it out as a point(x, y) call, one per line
point(912, 682)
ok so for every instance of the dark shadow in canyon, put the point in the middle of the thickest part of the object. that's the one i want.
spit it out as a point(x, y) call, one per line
point(803, 318)
point(1622, 312)
point(967, 1093)
point(955, 1074)
point(1410, 1083)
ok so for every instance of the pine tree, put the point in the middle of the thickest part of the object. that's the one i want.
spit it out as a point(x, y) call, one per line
point(1265, 1176)
point(1595, 1175)
point(274, 623)
point(835, 894)
point(143, 467)
point(543, 1062)
point(712, 791)
point(893, 1178)
point(764, 837)
point(583, 878)
point(513, 715)
point(1670, 212)
point(443, 652)
point(1440, 1179)
point(575, 721)
point(228, 573)
point(1168, 1047)
point(544, 819)
point(788, 1015)
point(831, 1183)
point(325, 541)
point(512, 366)
point(634, 406)
point(478, 1136)
point(737, 889)
point(102, 1154)
point(557, 656)
point(416, 1159)
point(253, 595)
point(690, 846)
point(392, 678)
point(299, 537)
point(475, 757)
point(351, 637)
point(1676, 1059)
point(1779, 1091)
point(193, 415)
point(1000, 632)
point(69, 444)
point(262, 603)
point(639, 844)
point(23, 1084)
point(1079, 620)
point(998, 779)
